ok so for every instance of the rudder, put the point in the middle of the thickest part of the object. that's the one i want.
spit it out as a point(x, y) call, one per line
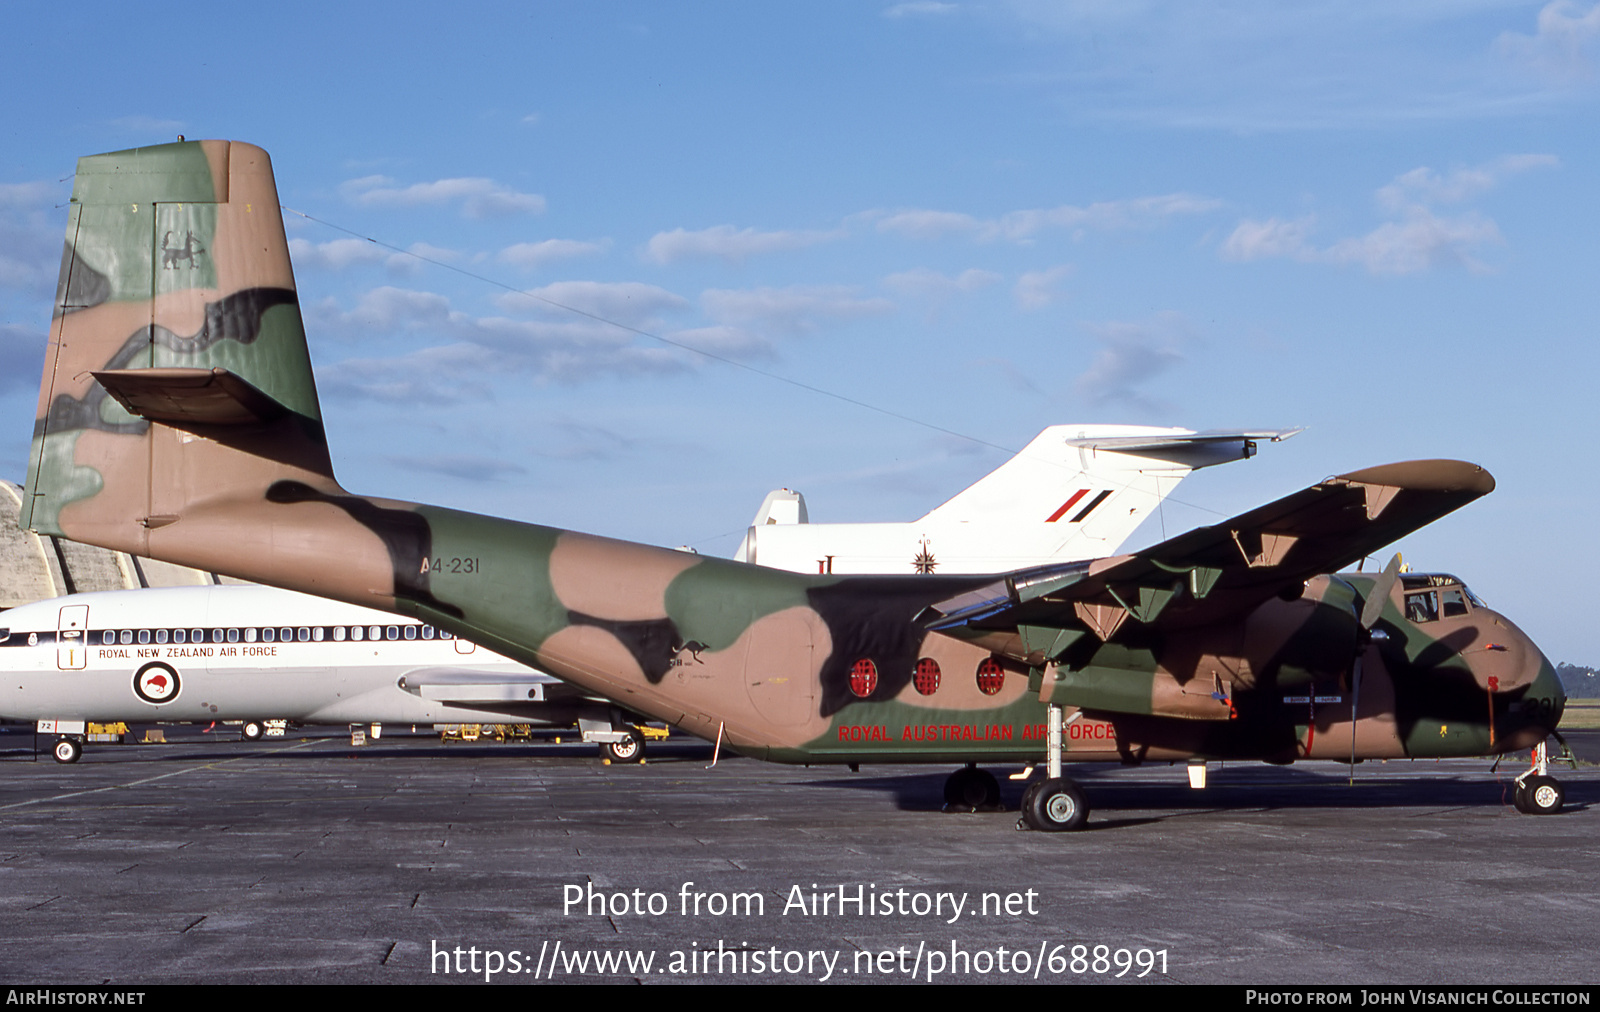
point(177, 370)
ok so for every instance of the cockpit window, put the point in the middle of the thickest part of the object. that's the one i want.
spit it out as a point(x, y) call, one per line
point(1455, 601)
point(1422, 607)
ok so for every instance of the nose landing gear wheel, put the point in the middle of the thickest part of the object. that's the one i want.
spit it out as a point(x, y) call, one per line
point(66, 750)
point(630, 750)
point(252, 730)
point(1053, 806)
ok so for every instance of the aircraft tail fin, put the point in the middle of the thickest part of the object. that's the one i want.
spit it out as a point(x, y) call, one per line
point(177, 374)
point(1092, 481)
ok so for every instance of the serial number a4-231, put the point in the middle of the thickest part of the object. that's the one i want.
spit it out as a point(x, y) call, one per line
point(466, 566)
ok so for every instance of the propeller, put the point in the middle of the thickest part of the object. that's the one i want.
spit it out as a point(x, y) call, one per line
point(1376, 599)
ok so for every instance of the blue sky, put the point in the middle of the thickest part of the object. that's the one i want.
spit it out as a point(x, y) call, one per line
point(1373, 220)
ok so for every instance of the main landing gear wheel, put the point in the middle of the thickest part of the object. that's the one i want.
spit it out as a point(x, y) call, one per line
point(1053, 806)
point(252, 730)
point(67, 750)
point(629, 750)
point(971, 789)
point(1540, 795)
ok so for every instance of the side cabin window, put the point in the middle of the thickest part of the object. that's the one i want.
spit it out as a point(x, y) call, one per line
point(1422, 607)
point(1431, 596)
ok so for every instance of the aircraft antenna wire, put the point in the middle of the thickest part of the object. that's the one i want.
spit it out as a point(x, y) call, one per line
point(713, 356)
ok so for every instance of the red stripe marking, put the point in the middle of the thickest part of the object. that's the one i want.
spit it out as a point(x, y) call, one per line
point(1058, 514)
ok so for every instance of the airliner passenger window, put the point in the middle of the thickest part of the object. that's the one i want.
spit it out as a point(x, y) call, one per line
point(161, 635)
point(250, 635)
point(268, 635)
point(338, 633)
point(144, 636)
point(304, 635)
point(180, 635)
point(233, 635)
point(375, 632)
point(127, 636)
point(393, 632)
point(318, 633)
point(108, 637)
point(197, 636)
point(286, 635)
point(427, 632)
point(357, 632)
point(411, 632)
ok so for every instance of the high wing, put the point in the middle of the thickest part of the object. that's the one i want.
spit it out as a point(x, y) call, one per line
point(1211, 574)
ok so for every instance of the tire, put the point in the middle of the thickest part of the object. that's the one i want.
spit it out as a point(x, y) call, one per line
point(629, 750)
point(66, 750)
point(1055, 806)
point(1542, 796)
point(970, 789)
point(252, 730)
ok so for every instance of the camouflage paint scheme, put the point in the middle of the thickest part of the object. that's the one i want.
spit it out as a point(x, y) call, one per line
point(178, 420)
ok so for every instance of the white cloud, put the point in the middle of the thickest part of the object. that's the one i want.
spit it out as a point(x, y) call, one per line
point(1418, 242)
point(920, 8)
point(335, 255)
point(725, 242)
point(476, 352)
point(1275, 237)
point(21, 356)
point(1037, 289)
point(1425, 186)
point(798, 309)
point(925, 283)
point(478, 197)
point(1020, 226)
point(1417, 238)
point(726, 342)
point(31, 233)
point(630, 302)
point(534, 255)
point(1131, 355)
point(1562, 46)
point(460, 465)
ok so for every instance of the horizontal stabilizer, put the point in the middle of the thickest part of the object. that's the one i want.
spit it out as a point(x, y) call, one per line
point(193, 396)
point(1189, 449)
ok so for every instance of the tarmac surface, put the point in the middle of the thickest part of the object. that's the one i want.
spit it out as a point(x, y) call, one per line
point(305, 859)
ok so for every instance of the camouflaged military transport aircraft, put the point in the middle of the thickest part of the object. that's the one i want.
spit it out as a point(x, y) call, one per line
point(179, 420)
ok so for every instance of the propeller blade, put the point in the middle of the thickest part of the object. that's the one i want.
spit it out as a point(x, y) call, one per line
point(1380, 594)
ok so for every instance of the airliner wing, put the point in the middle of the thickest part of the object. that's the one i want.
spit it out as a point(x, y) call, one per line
point(460, 685)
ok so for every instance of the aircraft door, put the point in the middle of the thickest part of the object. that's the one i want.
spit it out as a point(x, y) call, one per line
point(780, 668)
point(72, 634)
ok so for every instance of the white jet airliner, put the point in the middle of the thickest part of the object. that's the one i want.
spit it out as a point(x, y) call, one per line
point(255, 654)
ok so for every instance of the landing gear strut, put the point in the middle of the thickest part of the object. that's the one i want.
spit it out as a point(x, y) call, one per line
point(1056, 803)
point(1537, 792)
